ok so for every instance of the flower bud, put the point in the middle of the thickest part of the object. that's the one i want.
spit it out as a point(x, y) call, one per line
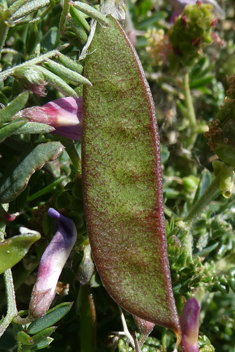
point(179, 6)
point(51, 264)
point(190, 34)
point(32, 79)
point(189, 322)
point(64, 114)
point(158, 46)
point(86, 267)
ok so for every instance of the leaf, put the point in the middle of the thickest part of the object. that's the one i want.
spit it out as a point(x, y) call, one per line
point(29, 7)
point(79, 17)
point(65, 72)
point(16, 105)
point(16, 178)
point(122, 180)
point(52, 316)
point(198, 83)
point(150, 21)
point(40, 336)
point(35, 128)
point(57, 82)
point(90, 11)
point(87, 311)
point(73, 65)
point(40, 340)
point(14, 249)
point(43, 344)
point(24, 338)
point(11, 128)
point(50, 39)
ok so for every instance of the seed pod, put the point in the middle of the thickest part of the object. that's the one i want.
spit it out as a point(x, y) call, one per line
point(122, 181)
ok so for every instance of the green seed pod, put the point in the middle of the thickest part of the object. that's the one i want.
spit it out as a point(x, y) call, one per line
point(122, 181)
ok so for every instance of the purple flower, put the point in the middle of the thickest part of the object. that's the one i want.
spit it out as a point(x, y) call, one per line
point(51, 264)
point(179, 6)
point(64, 114)
point(189, 322)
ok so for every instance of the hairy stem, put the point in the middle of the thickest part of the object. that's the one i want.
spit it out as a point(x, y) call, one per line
point(11, 302)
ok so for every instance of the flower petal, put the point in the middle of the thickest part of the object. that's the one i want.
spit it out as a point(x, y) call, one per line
point(52, 263)
point(189, 322)
point(64, 114)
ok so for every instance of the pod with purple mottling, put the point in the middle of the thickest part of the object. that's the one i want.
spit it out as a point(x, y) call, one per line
point(122, 180)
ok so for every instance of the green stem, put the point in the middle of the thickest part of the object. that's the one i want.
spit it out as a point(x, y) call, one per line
point(11, 302)
point(45, 189)
point(189, 102)
point(190, 111)
point(3, 33)
point(203, 201)
point(63, 16)
point(72, 152)
point(187, 243)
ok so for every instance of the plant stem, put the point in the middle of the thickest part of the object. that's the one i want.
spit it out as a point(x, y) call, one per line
point(3, 33)
point(46, 189)
point(203, 201)
point(190, 110)
point(72, 153)
point(63, 16)
point(11, 302)
point(189, 101)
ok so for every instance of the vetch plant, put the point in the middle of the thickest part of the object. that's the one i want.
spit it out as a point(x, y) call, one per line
point(116, 197)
